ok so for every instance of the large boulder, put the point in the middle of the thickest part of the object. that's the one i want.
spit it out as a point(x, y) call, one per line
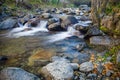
point(55, 27)
point(13, 73)
point(8, 23)
point(58, 70)
point(100, 40)
point(68, 20)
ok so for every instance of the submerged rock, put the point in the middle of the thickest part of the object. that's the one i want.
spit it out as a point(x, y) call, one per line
point(81, 46)
point(58, 70)
point(86, 67)
point(13, 73)
point(8, 23)
point(40, 57)
point(80, 58)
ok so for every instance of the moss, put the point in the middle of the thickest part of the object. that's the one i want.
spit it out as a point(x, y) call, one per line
point(103, 28)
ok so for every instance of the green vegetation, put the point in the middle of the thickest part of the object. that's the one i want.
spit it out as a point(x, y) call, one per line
point(110, 32)
point(110, 9)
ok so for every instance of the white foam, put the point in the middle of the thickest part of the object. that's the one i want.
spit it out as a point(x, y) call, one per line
point(18, 32)
point(62, 35)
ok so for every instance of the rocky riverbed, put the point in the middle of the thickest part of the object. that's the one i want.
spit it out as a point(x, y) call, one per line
point(56, 44)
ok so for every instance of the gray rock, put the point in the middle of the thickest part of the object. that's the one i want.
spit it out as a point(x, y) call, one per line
point(82, 29)
point(84, 8)
point(52, 20)
point(55, 27)
point(25, 18)
point(100, 68)
point(92, 76)
point(33, 22)
point(86, 67)
point(118, 57)
point(109, 73)
point(80, 58)
point(93, 31)
point(100, 40)
point(59, 12)
point(74, 66)
point(58, 70)
point(68, 20)
point(8, 23)
point(46, 15)
point(13, 73)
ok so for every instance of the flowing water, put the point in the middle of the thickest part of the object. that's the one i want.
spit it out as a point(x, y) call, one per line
point(21, 42)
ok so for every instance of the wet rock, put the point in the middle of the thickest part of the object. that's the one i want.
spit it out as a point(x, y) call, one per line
point(40, 57)
point(59, 12)
point(53, 9)
point(34, 22)
point(92, 76)
point(13, 73)
point(47, 10)
point(93, 31)
point(55, 27)
point(81, 46)
point(118, 57)
point(80, 58)
point(84, 8)
point(86, 67)
point(71, 13)
point(84, 18)
point(100, 40)
point(52, 20)
point(46, 15)
point(8, 23)
point(58, 70)
point(25, 18)
point(68, 20)
point(82, 29)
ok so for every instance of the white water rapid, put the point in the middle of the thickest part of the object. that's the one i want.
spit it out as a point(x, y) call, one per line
point(28, 31)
